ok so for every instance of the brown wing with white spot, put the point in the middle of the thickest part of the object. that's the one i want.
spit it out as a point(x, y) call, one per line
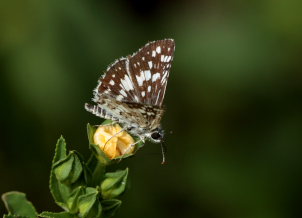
point(116, 83)
point(150, 68)
point(133, 88)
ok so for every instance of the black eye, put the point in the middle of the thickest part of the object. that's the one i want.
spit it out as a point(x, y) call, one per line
point(155, 135)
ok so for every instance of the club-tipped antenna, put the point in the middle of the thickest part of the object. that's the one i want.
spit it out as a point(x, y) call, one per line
point(163, 151)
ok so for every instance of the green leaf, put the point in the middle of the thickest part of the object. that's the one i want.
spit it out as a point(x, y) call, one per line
point(13, 216)
point(77, 169)
point(89, 204)
point(114, 184)
point(59, 191)
point(17, 204)
point(63, 168)
point(57, 215)
point(60, 152)
point(110, 207)
point(68, 170)
point(72, 201)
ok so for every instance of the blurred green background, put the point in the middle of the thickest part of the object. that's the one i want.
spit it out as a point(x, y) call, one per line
point(233, 101)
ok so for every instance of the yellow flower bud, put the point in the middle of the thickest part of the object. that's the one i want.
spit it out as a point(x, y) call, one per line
point(118, 145)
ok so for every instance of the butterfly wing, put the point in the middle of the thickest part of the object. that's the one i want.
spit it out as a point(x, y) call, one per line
point(150, 68)
point(116, 83)
point(132, 114)
point(132, 89)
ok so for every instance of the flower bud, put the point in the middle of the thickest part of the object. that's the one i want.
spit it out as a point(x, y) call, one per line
point(114, 184)
point(112, 144)
point(69, 169)
point(89, 204)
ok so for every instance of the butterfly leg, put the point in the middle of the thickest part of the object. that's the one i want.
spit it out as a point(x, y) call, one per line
point(132, 145)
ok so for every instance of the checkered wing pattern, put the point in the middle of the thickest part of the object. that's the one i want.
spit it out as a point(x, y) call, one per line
point(150, 68)
point(141, 77)
point(133, 88)
point(116, 83)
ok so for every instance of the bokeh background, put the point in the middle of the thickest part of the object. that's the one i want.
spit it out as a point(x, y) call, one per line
point(233, 101)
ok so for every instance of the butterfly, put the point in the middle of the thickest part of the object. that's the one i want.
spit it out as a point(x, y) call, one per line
point(132, 90)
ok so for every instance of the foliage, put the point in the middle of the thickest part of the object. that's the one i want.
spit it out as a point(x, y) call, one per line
point(81, 188)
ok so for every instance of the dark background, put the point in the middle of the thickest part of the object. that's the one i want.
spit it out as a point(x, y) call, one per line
point(233, 101)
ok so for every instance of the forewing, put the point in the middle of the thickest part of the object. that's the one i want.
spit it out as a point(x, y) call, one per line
point(150, 68)
point(116, 83)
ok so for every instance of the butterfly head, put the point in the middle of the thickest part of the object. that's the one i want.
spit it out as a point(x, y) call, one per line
point(157, 135)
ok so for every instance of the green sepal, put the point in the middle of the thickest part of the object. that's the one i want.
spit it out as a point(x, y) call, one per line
point(72, 201)
point(59, 191)
point(69, 169)
point(99, 154)
point(114, 184)
point(91, 130)
point(90, 133)
point(47, 214)
point(17, 205)
point(110, 207)
point(89, 205)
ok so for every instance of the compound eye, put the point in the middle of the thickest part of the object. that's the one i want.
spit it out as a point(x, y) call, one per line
point(156, 135)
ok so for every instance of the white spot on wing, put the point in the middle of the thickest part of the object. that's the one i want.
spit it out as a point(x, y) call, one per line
point(155, 77)
point(153, 53)
point(167, 58)
point(162, 58)
point(143, 93)
point(149, 88)
point(113, 75)
point(157, 97)
point(150, 64)
point(158, 49)
point(140, 79)
point(123, 92)
point(127, 83)
point(164, 78)
point(111, 82)
point(147, 75)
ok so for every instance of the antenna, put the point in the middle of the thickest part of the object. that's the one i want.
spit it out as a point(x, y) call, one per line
point(163, 151)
